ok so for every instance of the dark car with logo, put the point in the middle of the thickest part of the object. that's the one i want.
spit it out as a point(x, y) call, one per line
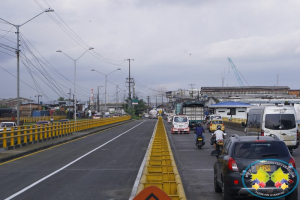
point(255, 166)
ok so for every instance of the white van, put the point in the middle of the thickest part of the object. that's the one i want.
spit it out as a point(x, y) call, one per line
point(180, 124)
point(278, 120)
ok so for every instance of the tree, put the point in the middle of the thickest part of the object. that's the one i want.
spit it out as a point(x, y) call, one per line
point(61, 99)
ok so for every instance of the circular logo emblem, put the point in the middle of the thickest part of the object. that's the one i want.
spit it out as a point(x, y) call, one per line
point(270, 178)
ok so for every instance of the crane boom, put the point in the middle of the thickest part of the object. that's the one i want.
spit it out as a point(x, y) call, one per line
point(236, 72)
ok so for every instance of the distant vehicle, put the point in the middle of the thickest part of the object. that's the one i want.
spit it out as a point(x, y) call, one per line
point(195, 111)
point(277, 120)
point(63, 120)
point(214, 116)
point(180, 124)
point(7, 125)
point(214, 123)
point(41, 123)
point(152, 114)
point(146, 115)
point(96, 116)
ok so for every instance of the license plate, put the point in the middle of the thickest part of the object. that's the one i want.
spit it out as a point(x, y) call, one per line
point(266, 168)
point(199, 138)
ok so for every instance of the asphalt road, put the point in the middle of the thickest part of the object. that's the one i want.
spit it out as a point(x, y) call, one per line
point(196, 165)
point(105, 166)
point(99, 166)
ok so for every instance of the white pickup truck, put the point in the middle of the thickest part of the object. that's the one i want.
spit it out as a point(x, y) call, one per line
point(8, 125)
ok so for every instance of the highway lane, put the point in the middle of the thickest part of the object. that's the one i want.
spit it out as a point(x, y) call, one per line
point(108, 172)
point(196, 165)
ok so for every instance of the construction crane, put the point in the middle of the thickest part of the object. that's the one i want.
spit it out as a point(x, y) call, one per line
point(237, 73)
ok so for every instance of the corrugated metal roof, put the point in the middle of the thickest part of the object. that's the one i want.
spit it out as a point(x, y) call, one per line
point(230, 104)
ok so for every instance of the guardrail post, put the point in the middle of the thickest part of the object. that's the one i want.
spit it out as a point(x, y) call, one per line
point(25, 135)
point(30, 136)
point(4, 138)
point(19, 135)
point(12, 139)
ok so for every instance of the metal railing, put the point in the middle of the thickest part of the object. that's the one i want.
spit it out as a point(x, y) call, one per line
point(29, 134)
point(33, 119)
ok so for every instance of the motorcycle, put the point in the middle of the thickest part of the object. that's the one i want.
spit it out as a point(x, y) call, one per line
point(200, 143)
point(218, 144)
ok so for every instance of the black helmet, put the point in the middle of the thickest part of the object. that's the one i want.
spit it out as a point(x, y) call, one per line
point(199, 124)
point(219, 127)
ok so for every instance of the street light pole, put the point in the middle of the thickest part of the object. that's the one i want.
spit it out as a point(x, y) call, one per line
point(75, 60)
point(18, 60)
point(98, 108)
point(93, 70)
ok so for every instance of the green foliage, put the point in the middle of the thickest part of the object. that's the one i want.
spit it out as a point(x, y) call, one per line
point(61, 99)
point(4, 106)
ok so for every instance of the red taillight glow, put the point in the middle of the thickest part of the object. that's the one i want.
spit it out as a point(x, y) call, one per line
point(236, 182)
point(262, 132)
point(259, 140)
point(292, 162)
point(210, 124)
point(232, 165)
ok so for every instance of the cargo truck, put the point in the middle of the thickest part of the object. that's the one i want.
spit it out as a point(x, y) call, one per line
point(195, 111)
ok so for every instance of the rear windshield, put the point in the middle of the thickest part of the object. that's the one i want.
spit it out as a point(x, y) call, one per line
point(180, 119)
point(216, 117)
point(258, 150)
point(217, 122)
point(280, 121)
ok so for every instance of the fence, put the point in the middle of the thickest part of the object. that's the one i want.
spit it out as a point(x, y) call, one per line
point(33, 119)
point(29, 134)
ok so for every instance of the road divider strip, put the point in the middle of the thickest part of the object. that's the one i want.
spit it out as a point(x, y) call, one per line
point(160, 169)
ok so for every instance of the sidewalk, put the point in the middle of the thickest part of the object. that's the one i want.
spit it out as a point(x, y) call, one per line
point(6, 155)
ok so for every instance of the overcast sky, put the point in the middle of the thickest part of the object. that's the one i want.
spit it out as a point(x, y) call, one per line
point(174, 43)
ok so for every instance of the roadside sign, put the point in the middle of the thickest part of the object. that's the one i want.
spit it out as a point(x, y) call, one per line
point(152, 192)
point(134, 101)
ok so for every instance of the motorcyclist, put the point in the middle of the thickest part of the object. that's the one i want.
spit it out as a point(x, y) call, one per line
point(199, 131)
point(218, 135)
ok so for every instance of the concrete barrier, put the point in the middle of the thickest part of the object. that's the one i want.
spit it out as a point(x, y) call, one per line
point(160, 168)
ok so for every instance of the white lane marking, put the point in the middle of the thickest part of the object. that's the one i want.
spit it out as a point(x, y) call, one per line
point(55, 172)
point(138, 178)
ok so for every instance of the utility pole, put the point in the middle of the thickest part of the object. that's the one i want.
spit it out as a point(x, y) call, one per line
point(129, 93)
point(192, 89)
point(69, 97)
point(148, 100)
point(156, 100)
point(38, 96)
point(117, 95)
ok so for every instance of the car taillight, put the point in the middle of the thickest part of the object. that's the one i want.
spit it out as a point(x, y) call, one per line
point(232, 165)
point(262, 132)
point(292, 162)
point(210, 124)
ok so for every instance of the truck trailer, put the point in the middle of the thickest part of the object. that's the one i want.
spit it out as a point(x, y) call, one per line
point(194, 109)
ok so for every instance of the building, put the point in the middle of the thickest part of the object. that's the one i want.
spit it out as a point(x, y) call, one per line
point(231, 109)
point(246, 91)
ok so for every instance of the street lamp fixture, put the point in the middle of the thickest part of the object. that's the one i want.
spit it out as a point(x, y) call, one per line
point(75, 60)
point(93, 70)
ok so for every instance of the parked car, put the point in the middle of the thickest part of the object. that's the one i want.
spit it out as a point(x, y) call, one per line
point(41, 123)
point(8, 125)
point(255, 166)
point(214, 123)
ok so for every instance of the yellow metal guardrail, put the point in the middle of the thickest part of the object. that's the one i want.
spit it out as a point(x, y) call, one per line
point(34, 119)
point(28, 134)
point(160, 168)
point(236, 120)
